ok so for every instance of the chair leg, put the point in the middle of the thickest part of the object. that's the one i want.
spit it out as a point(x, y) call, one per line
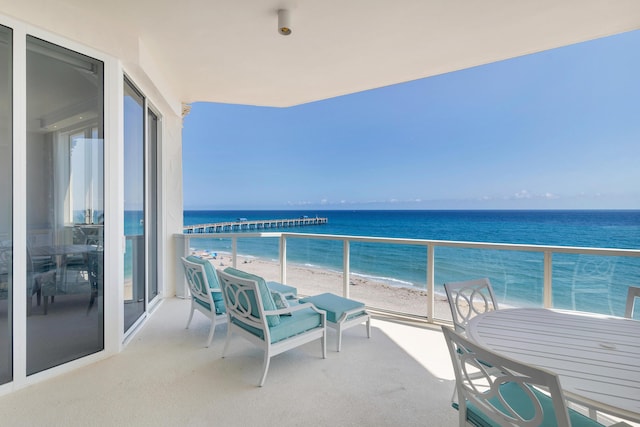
point(267, 359)
point(323, 342)
point(226, 343)
point(212, 330)
point(190, 317)
point(92, 300)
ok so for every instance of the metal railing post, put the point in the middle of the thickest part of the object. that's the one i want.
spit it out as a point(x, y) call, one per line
point(234, 252)
point(345, 268)
point(283, 259)
point(547, 295)
point(430, 283)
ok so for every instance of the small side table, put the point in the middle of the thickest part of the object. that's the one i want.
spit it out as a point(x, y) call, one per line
point(342, 313)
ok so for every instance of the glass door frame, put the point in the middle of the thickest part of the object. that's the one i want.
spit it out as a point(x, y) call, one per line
point(152, 202)
point(112, 183)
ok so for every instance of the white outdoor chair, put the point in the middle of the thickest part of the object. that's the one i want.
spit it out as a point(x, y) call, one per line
point(253, 314)
point(206, 296)
point(509, 393)
point(468, 299)
point(632, 294)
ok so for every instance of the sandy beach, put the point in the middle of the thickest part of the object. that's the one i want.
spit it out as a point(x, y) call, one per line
point(313, 281)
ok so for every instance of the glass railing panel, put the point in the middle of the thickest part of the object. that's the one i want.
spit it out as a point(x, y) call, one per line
point(259, 256)
point(213, 247)
point(593, 283)
point(391, 277)
point(315, 266)
point(516, 276)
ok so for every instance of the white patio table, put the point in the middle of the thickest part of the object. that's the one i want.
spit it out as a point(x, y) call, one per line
point(597, 357)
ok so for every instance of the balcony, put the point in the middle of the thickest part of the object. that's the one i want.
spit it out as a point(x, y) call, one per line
point(401, 376)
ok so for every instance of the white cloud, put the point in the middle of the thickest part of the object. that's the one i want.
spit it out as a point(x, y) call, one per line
point(523, 194)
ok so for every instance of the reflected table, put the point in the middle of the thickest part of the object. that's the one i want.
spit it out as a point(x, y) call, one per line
point(596, 357)
point(49, 283)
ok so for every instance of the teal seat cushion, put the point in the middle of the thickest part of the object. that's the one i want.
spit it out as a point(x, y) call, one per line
point(265, 294)
point(335, 306)
point(282, 288)
point(521, 403)
point(212, 279)
point(219, 305)
point(299, 322)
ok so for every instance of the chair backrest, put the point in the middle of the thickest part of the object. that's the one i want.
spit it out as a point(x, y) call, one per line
point(632, 294)
point(198, 283)
point(244, 303)
point(502, 389)
point(468, 299)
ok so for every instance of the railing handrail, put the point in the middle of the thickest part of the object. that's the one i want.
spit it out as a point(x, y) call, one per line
point(425, 242)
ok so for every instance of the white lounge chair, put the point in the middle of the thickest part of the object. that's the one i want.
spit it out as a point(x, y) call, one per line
point(253, 314)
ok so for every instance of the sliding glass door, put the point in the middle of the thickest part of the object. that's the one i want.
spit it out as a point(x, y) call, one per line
point(65, 205)
point(6, 207)
point(134, 208)
point(140, 205)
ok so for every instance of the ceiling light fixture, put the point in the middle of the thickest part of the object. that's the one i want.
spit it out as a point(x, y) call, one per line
point(284, 23)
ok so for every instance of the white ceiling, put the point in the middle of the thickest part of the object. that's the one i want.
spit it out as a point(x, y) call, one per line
point(230, 51)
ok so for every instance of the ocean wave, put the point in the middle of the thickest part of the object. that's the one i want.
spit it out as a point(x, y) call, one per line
point(388, 280)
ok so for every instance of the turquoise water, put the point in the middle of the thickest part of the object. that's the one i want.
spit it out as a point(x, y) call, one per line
point(516, 276)
point(133, 226)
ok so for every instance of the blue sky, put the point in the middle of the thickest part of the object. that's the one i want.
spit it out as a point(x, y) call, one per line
point(554, 130)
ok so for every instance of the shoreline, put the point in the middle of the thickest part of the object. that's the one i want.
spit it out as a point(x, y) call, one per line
point(316, 280)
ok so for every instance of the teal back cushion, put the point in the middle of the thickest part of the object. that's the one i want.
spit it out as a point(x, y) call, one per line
point(265, 293)
point(212, 279)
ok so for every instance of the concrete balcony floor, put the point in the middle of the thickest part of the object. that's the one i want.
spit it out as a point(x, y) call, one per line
point(402, 376)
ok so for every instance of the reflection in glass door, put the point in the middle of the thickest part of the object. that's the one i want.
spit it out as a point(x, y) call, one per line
point(134, 206)
point(6, 207)
point(65, 205)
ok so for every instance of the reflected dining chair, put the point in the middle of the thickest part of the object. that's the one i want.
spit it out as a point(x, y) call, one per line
point(632, 294)
point(510, 393)
point(592, 282)
point(468, 299)
point(206, 296)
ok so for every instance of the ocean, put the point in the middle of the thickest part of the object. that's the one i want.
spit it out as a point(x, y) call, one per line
point(590, 283)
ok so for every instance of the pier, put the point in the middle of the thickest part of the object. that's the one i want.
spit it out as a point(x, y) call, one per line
point(252, 225)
